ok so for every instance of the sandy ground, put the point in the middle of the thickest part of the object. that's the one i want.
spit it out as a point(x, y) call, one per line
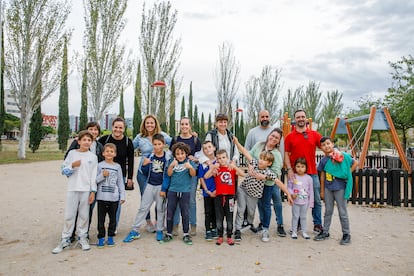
point(31, 221)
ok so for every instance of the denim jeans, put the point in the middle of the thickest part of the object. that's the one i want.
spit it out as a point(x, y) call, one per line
point(277, 205)
point(142, 183)
point(193, 204)
point(265, 205)
point(317, 208)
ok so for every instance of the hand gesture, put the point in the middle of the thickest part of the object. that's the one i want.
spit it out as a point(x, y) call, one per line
point(146, 161)
point(76, 163)
point(105, 173)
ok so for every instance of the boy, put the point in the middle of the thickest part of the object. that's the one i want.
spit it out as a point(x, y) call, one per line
point(80, 167)
point(111, 192)
point(209, 191)
point(251, 189)
point(225, 179)
point(155, 165)
point(180, 172)
point(336, 176)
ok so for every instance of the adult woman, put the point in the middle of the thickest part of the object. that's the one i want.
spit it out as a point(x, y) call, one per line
point(271, 144)
point(124, 153)
point(186, 136)
point(143, 141)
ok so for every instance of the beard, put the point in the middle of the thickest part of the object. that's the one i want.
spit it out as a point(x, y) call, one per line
point(265, 123)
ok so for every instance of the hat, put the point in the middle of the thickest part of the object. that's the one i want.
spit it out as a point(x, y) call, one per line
point(221, 116)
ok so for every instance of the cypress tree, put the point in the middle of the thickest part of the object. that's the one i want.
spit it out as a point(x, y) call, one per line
point(36, 132)
point(182, 114)
point(137, 117)
point(63, 125)
point(2, 105)
point(210, 123)
point(121, 104)
point(196, 123)
point(172, 110)
point(190, 103)
point(202, 133)
point(83, 116)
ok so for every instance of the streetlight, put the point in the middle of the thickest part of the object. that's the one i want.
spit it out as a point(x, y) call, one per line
point(158, 83)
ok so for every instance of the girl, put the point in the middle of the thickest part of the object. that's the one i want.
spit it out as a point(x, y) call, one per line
point(301, 189)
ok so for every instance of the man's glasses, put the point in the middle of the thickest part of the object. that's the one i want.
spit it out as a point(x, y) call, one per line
point(305, 135)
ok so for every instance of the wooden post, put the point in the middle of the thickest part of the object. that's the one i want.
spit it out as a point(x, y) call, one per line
point(367, 137)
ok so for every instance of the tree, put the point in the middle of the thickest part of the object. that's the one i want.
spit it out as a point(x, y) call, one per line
point(332, 107)
point(83, 116)
point(160, 52)
point(190, 103)
point(195, 122)
point(35, 41)
point(36, 133)
point(202, 132)
point(400, 96)
point(63, 126)
point(182, 114)
point(137, 117)
point(121, 104)
point(226, 79)
point(172, 110)
point(210, 123)
point(293, 101)
point(312, 100)
point(2, 105)
point(107, 71)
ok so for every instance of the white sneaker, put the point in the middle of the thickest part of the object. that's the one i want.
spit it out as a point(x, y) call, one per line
point(84, 242)
point(265, 235)
point(62, 245)
point(294, 235)
point(305, 236)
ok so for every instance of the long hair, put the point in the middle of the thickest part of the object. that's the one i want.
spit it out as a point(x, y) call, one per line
point(143, 130)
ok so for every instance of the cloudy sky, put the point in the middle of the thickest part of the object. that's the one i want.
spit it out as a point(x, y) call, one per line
point(344, 45)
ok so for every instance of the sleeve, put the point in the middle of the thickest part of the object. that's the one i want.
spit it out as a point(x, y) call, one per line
point(249, 141)
point(167, 138)
point(172, 142)
point(99, 176)
point(136, 140)
point(66, 167)
point(130, 157)
point(321, 165)
point(93, 173)
point(271, 175)
point(197, 146)
point(121, 184)
point(236, 156)
point(166, 179)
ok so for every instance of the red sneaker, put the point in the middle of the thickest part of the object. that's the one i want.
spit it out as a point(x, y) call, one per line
point(230, 241)
point(219, 241)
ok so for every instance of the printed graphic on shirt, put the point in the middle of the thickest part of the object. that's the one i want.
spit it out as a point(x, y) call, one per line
point(299, 190)
point(179, 168)
point(157, 166)
point(110, 181)
point(225, 178)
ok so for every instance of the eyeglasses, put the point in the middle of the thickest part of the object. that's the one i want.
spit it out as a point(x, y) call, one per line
point(305, 135)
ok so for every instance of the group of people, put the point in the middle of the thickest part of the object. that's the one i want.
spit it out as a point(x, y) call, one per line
point(99, 170)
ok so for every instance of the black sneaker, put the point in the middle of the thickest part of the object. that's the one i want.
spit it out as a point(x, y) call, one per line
point(321, 236)
point(317, 228)
point(187, 240)
point(237, 235)
point(346, 239)
point(258, 228)
point(280, 231)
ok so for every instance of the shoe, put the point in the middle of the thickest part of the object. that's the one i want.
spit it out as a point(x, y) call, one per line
point(193, 230)
point(167, 238)
point(321, 236)
point(259, 227)
point(253, 229)
point(110, 241)
point(73, 238)
point(230, 241)
point(160, 235)
point(346, 239)
point(237, 235)
point(62, 245)
point(294, 235)
point(281, 231)
point(150, 228)
point(219, 241)
point(265, 235)
point(133, 235)
point(187, 239)
point(317, 228)
point(84, 242)
point(175, 230)
point(246, 227)
point(305, 236)
point(209, 236)
point(214, 234)
point(101, 243)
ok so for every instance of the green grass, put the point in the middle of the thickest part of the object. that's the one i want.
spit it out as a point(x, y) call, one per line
point(47, 151)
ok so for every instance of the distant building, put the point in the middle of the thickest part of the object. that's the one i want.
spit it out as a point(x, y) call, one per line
point(10, 103)
point(50, 120)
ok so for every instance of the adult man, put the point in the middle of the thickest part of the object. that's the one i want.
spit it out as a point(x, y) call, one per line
point(259, 134)
point(302, 142)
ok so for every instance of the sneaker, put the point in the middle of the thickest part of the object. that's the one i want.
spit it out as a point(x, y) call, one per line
point(246, 227)
point(317, 228)
point(133, 235)
point(214, 234)
point(209, 236)
point(187, 239)
point(230, 241)
point(253, 229)
point(265, 235)
point(110, 241)
point(193, 230)
point(160, 235)
point(346, 239)
point(259, 228)
point(237, 235)
point(84, 242)
point(281, 231)
point(305, 236)
point(175, 230)
point(219, 241)
point(294, 235)
point(167, 238)
point(101, 243)
point(62, 245)
point(321, 236)
point(150, 228)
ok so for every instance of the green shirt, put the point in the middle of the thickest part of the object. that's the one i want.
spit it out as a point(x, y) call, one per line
point(277, 163)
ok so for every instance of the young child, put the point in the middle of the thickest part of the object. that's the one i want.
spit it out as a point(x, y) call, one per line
point(209, 191)
point(80, 167)
point(251, 188)
point(301, 189)
point(111, 192)
point(336, 185)
point(155, 164)
point(180, 171)
point(225, 178)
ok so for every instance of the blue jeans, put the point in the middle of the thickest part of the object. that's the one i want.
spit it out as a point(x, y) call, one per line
point(277, 206)
point(264, 202)
point(317, 207)
point(193, 204)
point(142, 183)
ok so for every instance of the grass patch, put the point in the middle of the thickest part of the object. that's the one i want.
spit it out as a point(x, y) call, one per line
point(47, 151)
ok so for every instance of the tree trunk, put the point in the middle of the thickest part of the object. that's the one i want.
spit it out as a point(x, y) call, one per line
point(21, 153)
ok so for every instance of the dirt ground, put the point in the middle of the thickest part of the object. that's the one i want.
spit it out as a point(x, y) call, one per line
point(31, 221)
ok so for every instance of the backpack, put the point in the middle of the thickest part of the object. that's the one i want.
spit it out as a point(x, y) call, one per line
point(214, 140)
